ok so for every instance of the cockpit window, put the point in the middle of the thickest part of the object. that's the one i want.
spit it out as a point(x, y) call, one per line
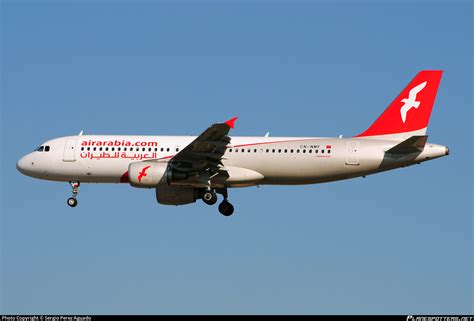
point(43, 149)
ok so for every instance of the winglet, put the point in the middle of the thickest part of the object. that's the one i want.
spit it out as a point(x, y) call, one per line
point(231, 122)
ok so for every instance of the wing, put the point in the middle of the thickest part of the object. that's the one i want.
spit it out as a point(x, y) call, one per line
point(205, 152)
point(415, 90)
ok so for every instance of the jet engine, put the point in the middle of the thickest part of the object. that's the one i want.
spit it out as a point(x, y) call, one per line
point(152, 174)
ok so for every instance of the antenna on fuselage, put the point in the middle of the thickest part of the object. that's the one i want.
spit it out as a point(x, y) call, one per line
point(80, 134)
point(268, 133)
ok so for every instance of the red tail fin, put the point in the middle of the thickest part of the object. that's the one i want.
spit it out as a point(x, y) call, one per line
point(411, 110)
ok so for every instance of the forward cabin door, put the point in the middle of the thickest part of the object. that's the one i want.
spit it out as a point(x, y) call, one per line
point(352, 153)
point(69, 154)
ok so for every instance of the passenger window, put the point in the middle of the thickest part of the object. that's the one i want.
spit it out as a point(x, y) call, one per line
point(273, 150)
point(230, 150)
point(82, 148)
point(268, 150)
point(143, 149)
point(304, 151)
point(177, 149)
point(168, 149)
point(279, 150)
point(297, 150)
point(329, 151)
point(316, 151)
point(113, 148)
point(161, 149)
point(88, 148)
point(291, 151)
point(254, 150)
point(118, 148)
point(95, 148)
point(286, 150)
point(100, 149)
point(243, 150)
point(322, 152)
point(310, 151)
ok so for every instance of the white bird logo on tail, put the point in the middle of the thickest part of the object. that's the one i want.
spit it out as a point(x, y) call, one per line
point(411, 102)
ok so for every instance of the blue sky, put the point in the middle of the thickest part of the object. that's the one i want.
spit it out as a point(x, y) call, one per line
point(396, 242)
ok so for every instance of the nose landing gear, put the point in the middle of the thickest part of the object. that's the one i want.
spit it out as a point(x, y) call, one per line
point(72, 201)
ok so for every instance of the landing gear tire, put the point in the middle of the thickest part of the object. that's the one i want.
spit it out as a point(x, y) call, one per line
point(226, 208)
point(209, 197)
point(72, 202)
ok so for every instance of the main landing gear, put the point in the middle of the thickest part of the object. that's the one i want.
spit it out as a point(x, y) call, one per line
point(72, 201)
point(210, 198)
point(226, 208)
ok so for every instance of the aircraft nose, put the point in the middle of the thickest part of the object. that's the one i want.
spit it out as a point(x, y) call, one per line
point(21, 165)
point(25, 165)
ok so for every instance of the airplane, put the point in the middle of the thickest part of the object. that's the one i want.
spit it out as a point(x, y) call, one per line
point(183, 169)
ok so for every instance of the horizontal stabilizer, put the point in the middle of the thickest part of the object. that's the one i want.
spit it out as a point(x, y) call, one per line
point(414, 144)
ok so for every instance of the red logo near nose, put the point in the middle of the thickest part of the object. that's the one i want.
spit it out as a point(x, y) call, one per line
point(143, 173)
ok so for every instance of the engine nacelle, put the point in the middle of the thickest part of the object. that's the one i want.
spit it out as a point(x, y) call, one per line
point(148, 174)
point(174, 195)
point(153, 174)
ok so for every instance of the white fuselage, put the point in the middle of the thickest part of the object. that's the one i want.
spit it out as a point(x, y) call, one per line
point(183, 169)
point(249, 160)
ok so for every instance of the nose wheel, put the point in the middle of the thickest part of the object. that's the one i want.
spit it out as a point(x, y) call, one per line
point(72, 201)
